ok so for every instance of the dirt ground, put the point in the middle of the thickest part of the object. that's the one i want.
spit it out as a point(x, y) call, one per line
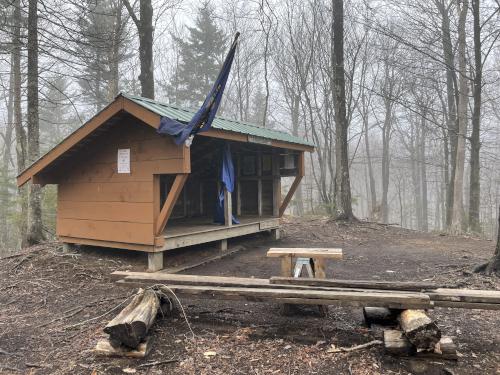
point(53, 307)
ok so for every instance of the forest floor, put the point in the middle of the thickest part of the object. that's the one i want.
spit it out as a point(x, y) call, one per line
point(53, 307)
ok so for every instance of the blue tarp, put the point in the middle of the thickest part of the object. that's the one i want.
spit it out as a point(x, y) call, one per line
point(202, 120)
point(227, 181)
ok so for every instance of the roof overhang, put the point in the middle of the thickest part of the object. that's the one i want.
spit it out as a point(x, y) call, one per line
point(152, 119)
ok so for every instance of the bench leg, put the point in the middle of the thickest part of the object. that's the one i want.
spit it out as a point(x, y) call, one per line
point(286, 271)
point(320, 273)
point(155, 261)
point(68, 248)
point(275, 234)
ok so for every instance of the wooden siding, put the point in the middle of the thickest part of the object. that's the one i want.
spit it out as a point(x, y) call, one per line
point(97, 203)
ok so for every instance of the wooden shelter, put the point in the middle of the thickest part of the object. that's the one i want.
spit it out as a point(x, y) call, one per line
point(122, 185)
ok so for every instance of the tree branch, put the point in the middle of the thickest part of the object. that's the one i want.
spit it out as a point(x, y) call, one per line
point(132, 13)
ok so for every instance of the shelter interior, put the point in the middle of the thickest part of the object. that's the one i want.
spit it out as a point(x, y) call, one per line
point(257, 192)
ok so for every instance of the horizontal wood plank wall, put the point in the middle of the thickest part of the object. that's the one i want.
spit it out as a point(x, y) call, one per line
point(97, 203)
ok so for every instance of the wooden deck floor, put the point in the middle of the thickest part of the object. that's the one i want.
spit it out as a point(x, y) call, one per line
point(193, 231)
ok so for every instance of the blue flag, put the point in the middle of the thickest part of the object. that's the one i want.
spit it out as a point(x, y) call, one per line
point(202, 120)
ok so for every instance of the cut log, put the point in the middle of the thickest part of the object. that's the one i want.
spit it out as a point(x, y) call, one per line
point(380, 315)
point(104, 348)
point(396, 343)
point(131, 325)
point(419, 329)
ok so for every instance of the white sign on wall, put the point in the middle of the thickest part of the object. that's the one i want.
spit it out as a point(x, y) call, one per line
point(124, 160)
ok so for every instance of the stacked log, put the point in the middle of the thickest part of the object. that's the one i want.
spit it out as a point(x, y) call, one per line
point(419, 329)
point(396, 343)
point(380, 316)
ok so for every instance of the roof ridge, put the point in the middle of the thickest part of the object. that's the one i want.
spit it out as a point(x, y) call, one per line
point(154, 101)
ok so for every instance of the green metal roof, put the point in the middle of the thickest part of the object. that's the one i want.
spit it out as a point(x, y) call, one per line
point(185, 115)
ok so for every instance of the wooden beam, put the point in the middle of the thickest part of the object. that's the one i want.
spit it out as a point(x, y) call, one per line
point(103, 243)
point(295, 184)
point(172, 197)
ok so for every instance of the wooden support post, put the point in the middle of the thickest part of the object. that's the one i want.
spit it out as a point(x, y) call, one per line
point(185, 207)
point(276, 185)
point(259, 183)
point(238, 185)
point(68, 248)
point(155, 261)
point(223, 245)
point(295, 184)
point(172, 197)
point(228, 208)
point(275, 234)
point(201, 198)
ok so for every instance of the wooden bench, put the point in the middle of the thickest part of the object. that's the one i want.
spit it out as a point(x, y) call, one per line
point(318, 257)
point(313, 258)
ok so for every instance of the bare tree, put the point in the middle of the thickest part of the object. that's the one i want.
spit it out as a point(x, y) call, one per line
point(343, 204)
point(458, 182)
point(21, 143)
point(144, 26)
point(35, 232)
point(475, 180)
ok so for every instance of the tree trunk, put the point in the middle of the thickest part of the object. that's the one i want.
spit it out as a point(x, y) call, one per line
point(114, 63)
point(342, 181)
point(21, 146)
point(493, 265)
point(423, 178)
point(146, 49)
point(475, 182)
point(145, 30)
point(458, 183)
point(4, 182)
point(299, 206)
point(386, 134)
point(373, 192)
point(35, 232)
point(451, 94)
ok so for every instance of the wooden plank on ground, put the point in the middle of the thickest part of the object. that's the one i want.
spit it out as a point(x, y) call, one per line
point(104, 348)
point(164, 277)
point(369, 298)
point(203, 260)
point(365, 284)
point(465, 295)
point(331, 253)
point(467, 305)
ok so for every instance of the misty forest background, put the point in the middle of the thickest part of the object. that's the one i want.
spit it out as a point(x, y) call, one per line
point(421, 87)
